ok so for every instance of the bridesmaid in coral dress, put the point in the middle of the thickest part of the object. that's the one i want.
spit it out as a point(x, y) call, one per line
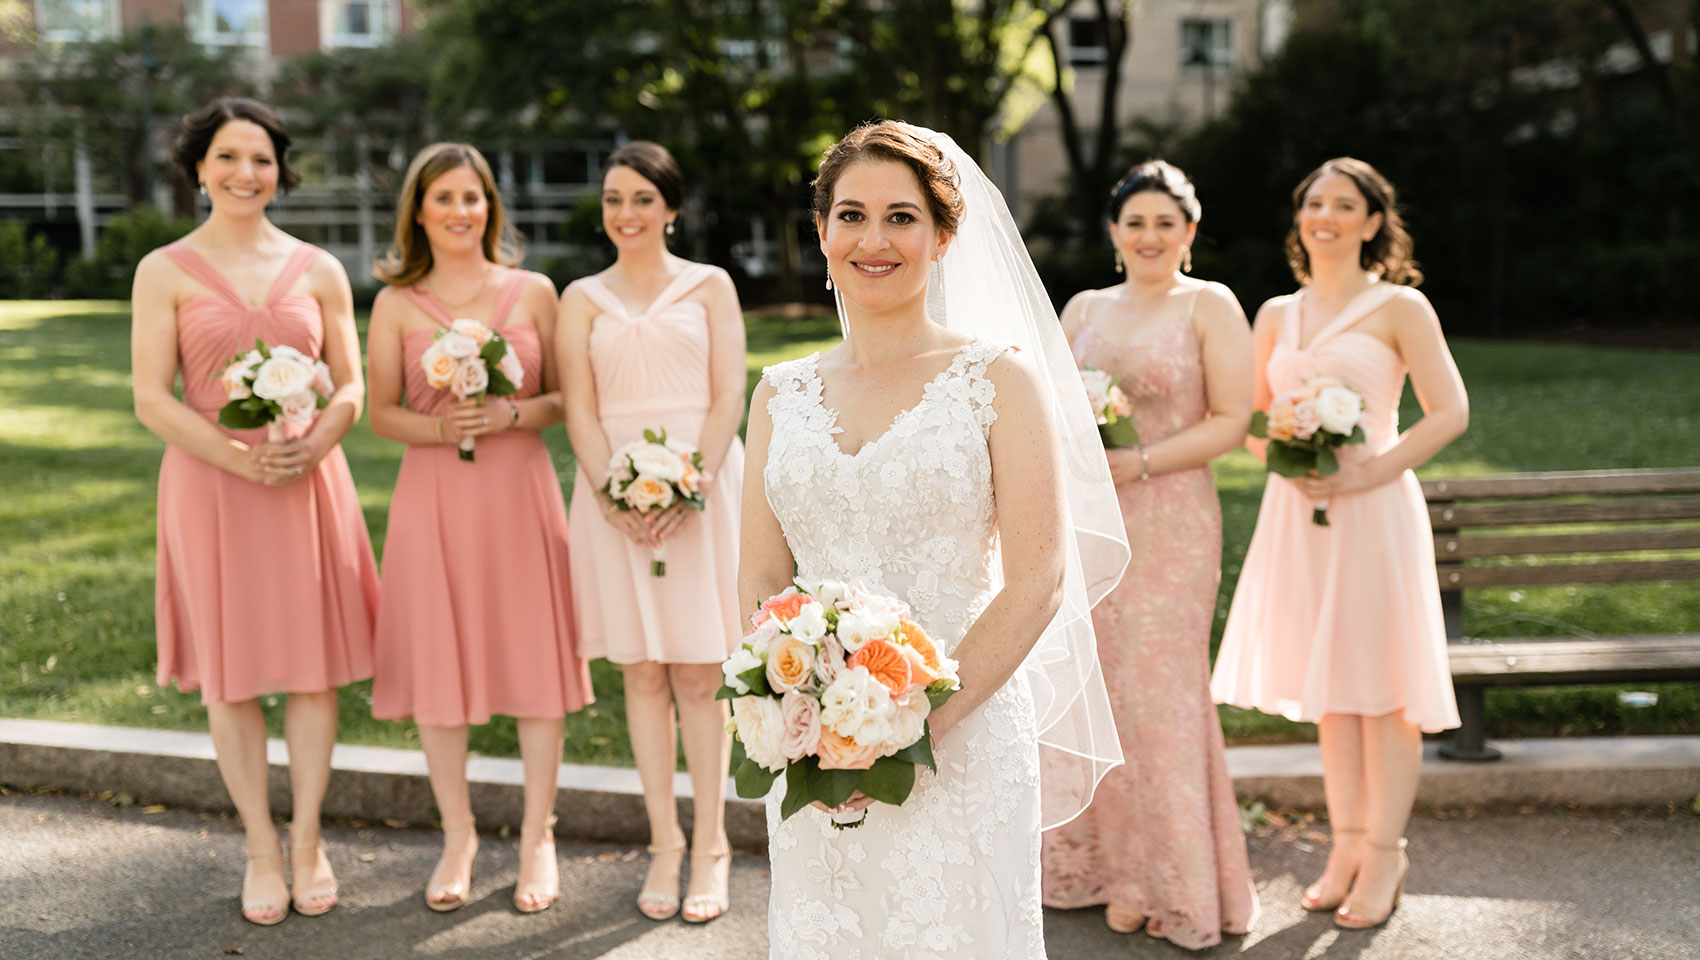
point(1161, 845)
point(657, 341)
point(1340, 625)
point(266, 580)
point(477, 617)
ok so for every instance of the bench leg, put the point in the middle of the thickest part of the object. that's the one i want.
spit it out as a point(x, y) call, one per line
point(1469, 743)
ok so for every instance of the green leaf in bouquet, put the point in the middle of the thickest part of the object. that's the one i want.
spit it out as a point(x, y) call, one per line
point(751, 778)
point(889, 780)
point(650, 437)
point(1259, 425)
point(320, 401)
point(241, 416)
point(1327, 464)
point(920, 752)
point(727, 693)
point(756, 677)
point(493, 351)
point(831, 787)
point(1289, 461)
point(738, 756)
point(265, 351)
point(1357, 435)
point(500, 385)
point(797, 787)
point(938, 692)
point(1119, 433)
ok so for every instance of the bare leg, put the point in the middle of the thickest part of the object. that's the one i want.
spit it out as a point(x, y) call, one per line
point(309, 727)
point(649, 723)
point(450, 885)
point(539, 872)
point(239, 742)
point(1393, 757)
point(1341, 739)
point(708, 748)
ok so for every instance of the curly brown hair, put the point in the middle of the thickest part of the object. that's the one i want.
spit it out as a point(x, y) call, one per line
point(897, 142)
point(196, 131)
point(409, 258)
point(1389, 253)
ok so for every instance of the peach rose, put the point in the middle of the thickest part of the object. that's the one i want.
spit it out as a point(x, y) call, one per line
point(1281, 419)
point(800, 730)
point(917, 638)
point(471, 379)
point(884, 662)
point(843, 753)
point(790, 664)
point(785, 605)
point(689, 482)
point(1305, 419)
point(647, 493)
point(235, 382)
point(439, 366)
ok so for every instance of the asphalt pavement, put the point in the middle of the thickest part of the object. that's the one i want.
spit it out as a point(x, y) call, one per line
point(86, 878)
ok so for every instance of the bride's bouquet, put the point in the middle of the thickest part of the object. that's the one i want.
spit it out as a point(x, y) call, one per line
point(471, 360)
point(832, 689)
point(1304, 426)
point(1111, 407)
point(653, 474)
point(270, 386)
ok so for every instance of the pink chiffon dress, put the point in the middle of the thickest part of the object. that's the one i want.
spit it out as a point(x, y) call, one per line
point(652, 372)
point(1343, 618)
point(1162, 837)
point(260, 589)
point(477, 616)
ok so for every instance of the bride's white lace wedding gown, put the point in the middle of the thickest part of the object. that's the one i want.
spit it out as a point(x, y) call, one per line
point(954, 871)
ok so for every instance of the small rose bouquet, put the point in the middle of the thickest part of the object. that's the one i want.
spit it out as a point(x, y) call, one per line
point(1111, 406)
point(471, 360)
point(271, 386)
point(832, 689)
point(653, 474)
point(1304, 426)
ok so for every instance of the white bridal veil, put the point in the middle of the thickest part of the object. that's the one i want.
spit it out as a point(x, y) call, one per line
point(992, 290)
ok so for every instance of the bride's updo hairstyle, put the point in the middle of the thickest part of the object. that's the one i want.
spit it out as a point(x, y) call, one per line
point(1389, 253)
point(893, 141)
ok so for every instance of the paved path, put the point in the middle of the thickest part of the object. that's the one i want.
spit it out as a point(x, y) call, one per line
point(81, 878)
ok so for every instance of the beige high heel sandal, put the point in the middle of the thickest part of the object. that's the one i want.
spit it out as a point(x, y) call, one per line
point(312, 903)
point(536, 898)
point(703, 907)
point(263, 913)
point(1316, 904)
point(1348, 920)
point(457, 893)
point(656, 905)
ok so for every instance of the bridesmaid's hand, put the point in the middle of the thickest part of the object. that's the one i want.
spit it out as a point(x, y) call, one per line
point(471, 418)
point(286, 462)
point(1352, 477)
point(668, 523)
point(628, 522)
point(247, 462)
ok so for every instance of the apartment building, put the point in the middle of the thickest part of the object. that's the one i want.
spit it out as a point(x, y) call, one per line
point(271, 29)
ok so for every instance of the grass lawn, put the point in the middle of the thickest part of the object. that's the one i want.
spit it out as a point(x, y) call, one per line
point(77, 527)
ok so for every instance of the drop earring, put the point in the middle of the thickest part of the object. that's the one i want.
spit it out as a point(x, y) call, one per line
point(203, 188)
point(938, 276)
point(670, 228)
point(829, 280)
point(1119, 266)
point(1186, 259)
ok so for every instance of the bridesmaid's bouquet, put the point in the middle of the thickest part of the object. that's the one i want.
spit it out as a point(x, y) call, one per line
point(1305, 425)
point(653, 474)
point(270, 386)
point(471, 360)
point(832, 689)
point(1111, 406)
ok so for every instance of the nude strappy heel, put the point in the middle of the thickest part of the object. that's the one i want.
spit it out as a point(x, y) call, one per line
point(1348, 920)
point(703, 907)
point(456, 893)
point(537, 897)
point(1312, 900)
point(313, 903)
point(264, 913)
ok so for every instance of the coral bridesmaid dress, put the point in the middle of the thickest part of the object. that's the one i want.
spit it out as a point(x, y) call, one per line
point(477, 616)
point(1343, 618)
point(1162, 836)
point(652, 371)
point(260, 589)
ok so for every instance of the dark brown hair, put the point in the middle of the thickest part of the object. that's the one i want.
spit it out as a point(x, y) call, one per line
point(652, 162)
point(1156, 176)
point(1388, 253)
point(409, 258)
point(894, 141)
point(195, 136)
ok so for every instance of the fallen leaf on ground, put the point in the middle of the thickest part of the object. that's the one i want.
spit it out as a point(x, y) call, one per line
point(154, 808)
point(368, 857)
point(395, 824)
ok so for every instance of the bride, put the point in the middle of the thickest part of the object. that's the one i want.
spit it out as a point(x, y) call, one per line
point(945, 453)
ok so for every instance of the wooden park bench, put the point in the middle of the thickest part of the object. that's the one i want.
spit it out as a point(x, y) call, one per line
point(1628, 513)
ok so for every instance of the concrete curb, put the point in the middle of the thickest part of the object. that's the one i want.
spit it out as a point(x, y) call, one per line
point(606, 803)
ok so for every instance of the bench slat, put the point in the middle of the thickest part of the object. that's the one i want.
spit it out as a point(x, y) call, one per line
point(1603, 659)
point(1454, 516)
point(1455, 547)
point(1567, 483)
point(1629, 571)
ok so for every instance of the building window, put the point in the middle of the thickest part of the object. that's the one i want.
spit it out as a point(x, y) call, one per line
point(1087, 45)
point(228, 23)
point(71, 21)
point(357, 23)
point(1207, 42)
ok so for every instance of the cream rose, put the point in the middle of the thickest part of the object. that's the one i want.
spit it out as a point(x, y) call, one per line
point(510, 367)
point(1339, 409)
point(1305, 420)
point(299, 408)
point(658, 461)
point(458, 346)
point(648, 493)
point(235, 381)
point(1281, 421)
point(908, 722)
point(843, 753)
point(477, 332)
point(289, 352)
point(439, 367)
point(282, 377)
point(790, 664)
point(760, 727)
point(471, 378)
point(800, 716)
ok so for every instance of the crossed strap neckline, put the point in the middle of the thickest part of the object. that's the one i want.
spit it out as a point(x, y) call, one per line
point(434, 308)
point(207, 275)
point(1357, 308)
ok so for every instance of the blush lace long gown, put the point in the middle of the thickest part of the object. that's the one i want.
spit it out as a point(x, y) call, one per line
point(953, 872)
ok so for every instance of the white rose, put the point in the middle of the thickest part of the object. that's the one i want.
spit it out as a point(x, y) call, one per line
point(658, 461)
point(511, 368)
point(288, 352)
point(908, 722)
point(761, 726)
point(477, 332)
point(809, 625)
point(458, 345)
point(742, 660)
point(844, 701)
point(299, 408)
point(1338, 409)
point(282, 377)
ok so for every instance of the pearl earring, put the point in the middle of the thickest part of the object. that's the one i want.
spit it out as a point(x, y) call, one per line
point(1186, 259)
point(203, 188)
point(669, 228)
point(1119, 265)
point(829, 281)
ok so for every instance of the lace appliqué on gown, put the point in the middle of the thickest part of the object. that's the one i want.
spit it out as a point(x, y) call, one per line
point(954, 872)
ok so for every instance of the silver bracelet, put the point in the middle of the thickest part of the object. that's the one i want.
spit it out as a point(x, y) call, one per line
point(1145, 461)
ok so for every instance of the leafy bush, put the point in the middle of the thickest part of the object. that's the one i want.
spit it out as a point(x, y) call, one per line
point(27, 264)
point(127, 238)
